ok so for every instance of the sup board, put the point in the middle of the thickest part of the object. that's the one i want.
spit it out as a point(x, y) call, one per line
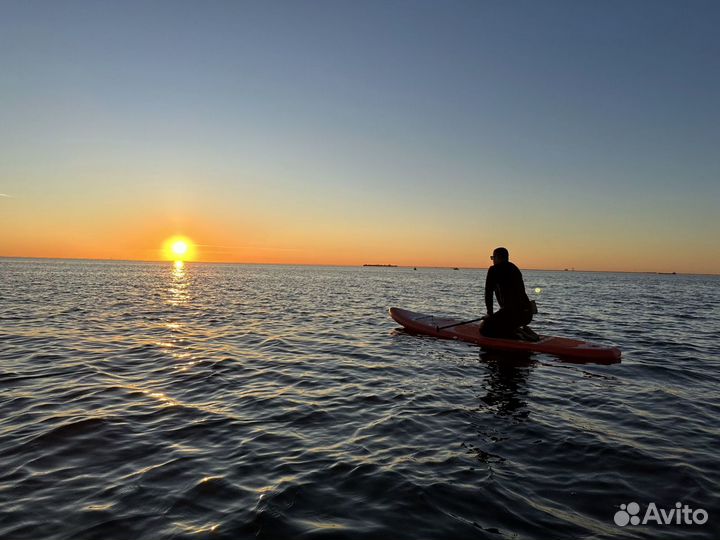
point(422, 323)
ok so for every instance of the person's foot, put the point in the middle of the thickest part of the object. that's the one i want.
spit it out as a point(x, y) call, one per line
point(528, 334)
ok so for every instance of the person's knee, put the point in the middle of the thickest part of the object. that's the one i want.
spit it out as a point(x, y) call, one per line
point(486, 329)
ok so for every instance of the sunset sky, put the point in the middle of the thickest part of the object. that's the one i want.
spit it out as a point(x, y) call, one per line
point(577, 134)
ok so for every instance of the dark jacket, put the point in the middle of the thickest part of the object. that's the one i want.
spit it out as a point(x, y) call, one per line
point(506, 282)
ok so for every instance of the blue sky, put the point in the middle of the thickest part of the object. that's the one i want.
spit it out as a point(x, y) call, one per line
point(573, 131)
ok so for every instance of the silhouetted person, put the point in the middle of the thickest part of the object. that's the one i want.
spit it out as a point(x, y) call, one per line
point(505, 281)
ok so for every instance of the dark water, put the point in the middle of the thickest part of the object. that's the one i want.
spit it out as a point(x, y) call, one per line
point(141, 401)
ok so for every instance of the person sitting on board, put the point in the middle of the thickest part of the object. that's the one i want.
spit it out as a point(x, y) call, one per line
point(504, 280)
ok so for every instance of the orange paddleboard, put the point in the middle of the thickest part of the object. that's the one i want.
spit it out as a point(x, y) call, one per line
point(421, 323)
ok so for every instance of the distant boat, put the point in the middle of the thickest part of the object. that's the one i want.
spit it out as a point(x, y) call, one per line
point(667, 273)
point(382, 265)
point(456, 268)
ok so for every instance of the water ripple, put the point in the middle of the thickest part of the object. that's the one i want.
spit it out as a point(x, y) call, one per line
point(226, 401)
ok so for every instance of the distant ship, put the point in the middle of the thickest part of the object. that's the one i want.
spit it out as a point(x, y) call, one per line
point(382, 265)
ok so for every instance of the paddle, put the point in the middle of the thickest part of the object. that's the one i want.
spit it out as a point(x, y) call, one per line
point(438, 328)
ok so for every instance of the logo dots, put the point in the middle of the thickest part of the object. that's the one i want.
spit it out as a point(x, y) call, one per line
point(628, 514)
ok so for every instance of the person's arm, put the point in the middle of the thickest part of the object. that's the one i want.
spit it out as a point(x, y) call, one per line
point(489, 291)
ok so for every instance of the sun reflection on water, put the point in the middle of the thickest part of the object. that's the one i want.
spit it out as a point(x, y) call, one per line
point(177, 345)
point(179, 284)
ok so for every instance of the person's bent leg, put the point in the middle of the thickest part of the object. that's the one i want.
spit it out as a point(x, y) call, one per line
point(501, 324)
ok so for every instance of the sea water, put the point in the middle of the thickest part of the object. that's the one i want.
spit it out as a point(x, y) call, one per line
point(153, 401)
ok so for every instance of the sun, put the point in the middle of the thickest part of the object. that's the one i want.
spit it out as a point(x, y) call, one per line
point(179, 248)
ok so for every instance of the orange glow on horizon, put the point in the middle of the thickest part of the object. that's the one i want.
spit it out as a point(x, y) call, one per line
point(277, 239)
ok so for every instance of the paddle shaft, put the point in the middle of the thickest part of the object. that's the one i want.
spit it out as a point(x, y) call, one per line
point(533, 309)
point(438, 328)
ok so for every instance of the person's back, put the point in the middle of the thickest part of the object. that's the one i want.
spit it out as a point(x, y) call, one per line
point(504, 280)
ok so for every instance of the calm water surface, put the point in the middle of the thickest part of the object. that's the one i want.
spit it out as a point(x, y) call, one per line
point(144, 401)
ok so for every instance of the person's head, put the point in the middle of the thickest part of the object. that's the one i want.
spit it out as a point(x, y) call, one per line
point(500, 255)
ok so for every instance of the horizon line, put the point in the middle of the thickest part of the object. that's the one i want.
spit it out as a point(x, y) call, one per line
point(360, 265)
